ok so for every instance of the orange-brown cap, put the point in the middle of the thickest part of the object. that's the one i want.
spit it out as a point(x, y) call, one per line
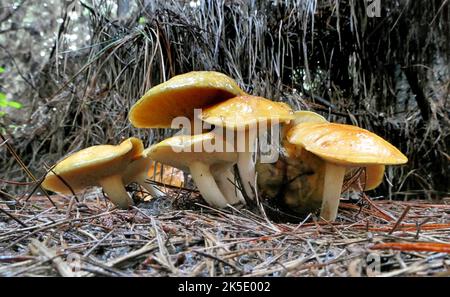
point(85, 167)
point(245, 110)
point(179, 96)
point(345, 144)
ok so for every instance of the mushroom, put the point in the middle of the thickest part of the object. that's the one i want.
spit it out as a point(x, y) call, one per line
point(373, 174)
point(137, 171)
point(342, 147)
point(369, 179)
point(245, 116)
point(300, 116)
point(191, 153)
point(305, 116)
point(100, 165)
point(179, 96)
point(224, 176)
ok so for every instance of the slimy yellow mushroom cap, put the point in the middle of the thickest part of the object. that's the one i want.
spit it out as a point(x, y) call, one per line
point(86, 167)
point(179, 96)
point(345, 144)
point(246, 110)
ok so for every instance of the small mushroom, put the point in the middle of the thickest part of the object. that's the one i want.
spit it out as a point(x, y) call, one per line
point(342, 147)
point(245, 115)
point(179, 96)
point(100, 165)
point(190, 153)
point(373, 174)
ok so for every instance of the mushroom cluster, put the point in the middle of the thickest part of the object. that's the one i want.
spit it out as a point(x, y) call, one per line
point(222, 130)
point(317, 156)
point(226, 124)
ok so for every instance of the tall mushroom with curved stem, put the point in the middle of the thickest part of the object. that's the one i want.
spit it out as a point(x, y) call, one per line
point(190, 153)
point(100, 165)
point(342, 147)
point(247, 115)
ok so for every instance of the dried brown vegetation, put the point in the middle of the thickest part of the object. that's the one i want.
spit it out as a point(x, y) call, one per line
point(388, 74)
point(180, 237)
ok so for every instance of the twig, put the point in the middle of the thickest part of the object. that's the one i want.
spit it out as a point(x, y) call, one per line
point(400, 219)
point(13, 217)
point(414, 246)
point(38, 249)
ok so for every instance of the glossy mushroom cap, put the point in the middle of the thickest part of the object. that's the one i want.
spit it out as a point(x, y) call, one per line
point(183, 150)
point(246, 110)
point(300, 116)
point(86, 167)
point(179, 96)
point(345, 144)
point(305, 116)
point(246, 115)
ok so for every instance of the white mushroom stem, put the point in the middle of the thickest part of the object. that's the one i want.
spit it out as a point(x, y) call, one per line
point(334, 178)
point(113, 186)
point(246, 165)
point(225, 181)
point(206, 184)
point(141, 179)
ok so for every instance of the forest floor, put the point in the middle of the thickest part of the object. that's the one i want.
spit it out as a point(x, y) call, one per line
point(182, 237)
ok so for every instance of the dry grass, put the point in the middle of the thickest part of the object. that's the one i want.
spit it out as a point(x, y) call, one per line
point(179, 236)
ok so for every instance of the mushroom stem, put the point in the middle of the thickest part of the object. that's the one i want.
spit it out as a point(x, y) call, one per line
point(137, 172)
point(206, 184)
point(114, 188)
point(151, 189)
point(224, 177)
point(247, 167)
point(333, 180)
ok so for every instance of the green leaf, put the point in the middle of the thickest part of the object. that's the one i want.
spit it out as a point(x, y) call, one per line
point(3, 101)
point(142, 20)
point(2, 70)
point(15, 104)
point(2, 113)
